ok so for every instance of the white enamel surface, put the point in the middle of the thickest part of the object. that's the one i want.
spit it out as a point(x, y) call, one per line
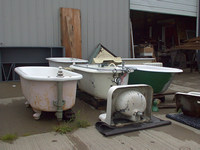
point(96, 80)
point(190, 93)
point(115, 91)
point(154, 68)
point(65, 61)
point(41, 94)
point(130, 102)
point(39, 86)
point(46, 74)
point(159, 64)
point(95, 68)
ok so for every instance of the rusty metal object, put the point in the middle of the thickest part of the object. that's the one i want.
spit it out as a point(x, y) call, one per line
point(189, 103)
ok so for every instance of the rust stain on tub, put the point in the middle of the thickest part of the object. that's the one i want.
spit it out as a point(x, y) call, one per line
point(46, 98)
point(69, 95)
point(37, 102)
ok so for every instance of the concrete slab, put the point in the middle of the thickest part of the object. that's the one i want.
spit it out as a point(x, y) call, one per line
point(16, 118)
point(166, 137)
point(45, 141)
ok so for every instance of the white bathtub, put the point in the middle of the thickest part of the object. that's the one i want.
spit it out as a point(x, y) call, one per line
point(138, 61)
point(40, 88)
point(64, 61)
point(97, 80)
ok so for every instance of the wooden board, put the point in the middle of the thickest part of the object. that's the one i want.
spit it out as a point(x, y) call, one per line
point(71, 32)
point(191, 44)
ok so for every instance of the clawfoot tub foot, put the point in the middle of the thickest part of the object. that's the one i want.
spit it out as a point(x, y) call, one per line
point(27, 104)
point(37, 114)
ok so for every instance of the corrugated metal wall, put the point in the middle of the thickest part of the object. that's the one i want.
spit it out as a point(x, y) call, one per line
point(37, 23)
point(174, 7)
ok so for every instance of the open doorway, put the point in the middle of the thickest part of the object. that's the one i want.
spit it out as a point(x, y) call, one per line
point(162, 32)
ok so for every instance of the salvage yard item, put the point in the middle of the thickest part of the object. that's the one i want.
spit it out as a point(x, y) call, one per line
point(97, 78)
point(64, 61)
point(189, 103)
point(157, 77)
point(189, 106)
point(48, 89)
point(101, 55)
point(128, 109)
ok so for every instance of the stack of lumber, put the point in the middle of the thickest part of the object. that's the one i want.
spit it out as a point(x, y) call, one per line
point(191, 44)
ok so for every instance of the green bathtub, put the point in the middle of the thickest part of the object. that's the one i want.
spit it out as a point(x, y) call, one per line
point(157, 77)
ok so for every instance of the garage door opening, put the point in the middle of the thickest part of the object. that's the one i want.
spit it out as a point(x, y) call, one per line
point(162, 32)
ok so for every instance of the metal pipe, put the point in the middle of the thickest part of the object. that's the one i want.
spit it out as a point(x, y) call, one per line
point(59, 102)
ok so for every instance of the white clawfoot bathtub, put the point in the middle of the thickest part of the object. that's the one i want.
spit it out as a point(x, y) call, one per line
point(97, 79)
point(65, 61)
point(41, 87)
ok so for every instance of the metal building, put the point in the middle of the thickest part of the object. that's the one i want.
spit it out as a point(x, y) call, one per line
point(177, 7)
point(37, 23)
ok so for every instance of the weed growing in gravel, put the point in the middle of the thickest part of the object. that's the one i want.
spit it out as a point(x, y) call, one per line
point(72, 125)
point(9, 138)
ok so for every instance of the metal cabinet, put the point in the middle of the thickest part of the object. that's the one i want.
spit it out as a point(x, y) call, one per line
point(11, 57)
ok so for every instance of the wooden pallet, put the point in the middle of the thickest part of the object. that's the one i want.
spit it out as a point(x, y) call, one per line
point(99, 104)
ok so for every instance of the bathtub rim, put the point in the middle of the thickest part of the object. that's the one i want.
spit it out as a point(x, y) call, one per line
point(149, 68)
point(84, 68)
point(67, 60)
point(21, 73)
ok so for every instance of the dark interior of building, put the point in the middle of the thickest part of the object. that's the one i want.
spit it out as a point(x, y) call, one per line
point(163, 32)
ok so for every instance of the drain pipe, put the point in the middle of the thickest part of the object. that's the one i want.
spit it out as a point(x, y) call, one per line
point(59, 103)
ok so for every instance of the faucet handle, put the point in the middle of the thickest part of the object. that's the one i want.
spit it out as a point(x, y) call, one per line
point(60, 72)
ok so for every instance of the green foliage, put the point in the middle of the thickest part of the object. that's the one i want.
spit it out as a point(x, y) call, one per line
point(63, 129)
point(82, 123)
point(9, 137)
point(72, 125)
point(179, 110)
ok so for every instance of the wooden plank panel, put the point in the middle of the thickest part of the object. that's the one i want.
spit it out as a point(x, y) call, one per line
point(71, 32)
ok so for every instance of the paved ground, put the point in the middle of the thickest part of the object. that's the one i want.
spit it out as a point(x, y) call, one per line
point(16, 118)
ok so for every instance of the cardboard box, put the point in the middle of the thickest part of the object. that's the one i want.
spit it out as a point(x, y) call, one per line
point(144, 50)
